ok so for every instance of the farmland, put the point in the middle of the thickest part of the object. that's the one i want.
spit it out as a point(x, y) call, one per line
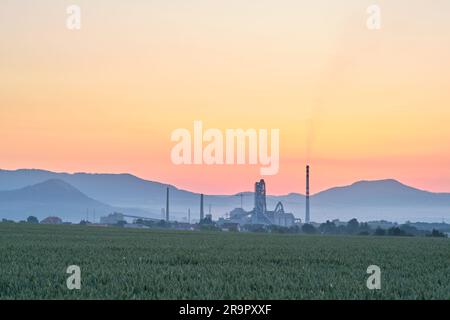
point(121, 263)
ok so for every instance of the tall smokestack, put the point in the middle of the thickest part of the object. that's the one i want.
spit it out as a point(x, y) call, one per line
point(307, 195)
point(167, 204)
point(202, 214)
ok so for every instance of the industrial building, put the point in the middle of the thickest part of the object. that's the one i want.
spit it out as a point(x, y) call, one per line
point(116, 217)
point(260, 214)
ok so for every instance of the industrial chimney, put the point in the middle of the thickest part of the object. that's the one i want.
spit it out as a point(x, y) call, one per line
point(307, 195)
point(202, 214)
point(167, 204)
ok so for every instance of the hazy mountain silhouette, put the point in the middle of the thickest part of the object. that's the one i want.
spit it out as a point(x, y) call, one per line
point(123, 190)
point(120, 190)
point(381, 192)
point(382, 199)
point(53, 190)
point(51, 197)
point(365, 200)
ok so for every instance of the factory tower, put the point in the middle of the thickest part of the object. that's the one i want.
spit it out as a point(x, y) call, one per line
point(307, 216)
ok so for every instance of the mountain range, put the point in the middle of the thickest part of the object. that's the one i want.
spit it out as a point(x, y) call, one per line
point(71, 196)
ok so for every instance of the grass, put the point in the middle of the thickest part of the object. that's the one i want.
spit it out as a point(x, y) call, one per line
point(162, 264)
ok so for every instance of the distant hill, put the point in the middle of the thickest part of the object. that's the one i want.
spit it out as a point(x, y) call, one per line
point(365, 200)
point(125, 190)
point(381, 192)
point(115, 189)
point(51, 197)
point(382, 199)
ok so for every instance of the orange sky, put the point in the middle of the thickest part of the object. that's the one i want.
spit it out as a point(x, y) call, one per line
point(357, 104)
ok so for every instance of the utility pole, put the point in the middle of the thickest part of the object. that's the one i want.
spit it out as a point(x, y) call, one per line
point(202, 215)
point(242, 196)
point(307, 212)
point(167, 204)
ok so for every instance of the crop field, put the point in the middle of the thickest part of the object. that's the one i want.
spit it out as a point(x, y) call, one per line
point(121, 263)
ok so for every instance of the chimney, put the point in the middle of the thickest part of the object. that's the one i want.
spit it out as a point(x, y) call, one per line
point(167, 204)
point(307, 195)
point(202, 214)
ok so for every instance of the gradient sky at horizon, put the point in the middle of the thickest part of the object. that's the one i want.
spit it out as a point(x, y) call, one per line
point(356, 104)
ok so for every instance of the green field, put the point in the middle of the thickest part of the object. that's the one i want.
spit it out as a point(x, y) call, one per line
point(159, 264)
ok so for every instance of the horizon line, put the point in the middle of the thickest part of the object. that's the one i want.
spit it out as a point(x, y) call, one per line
point(233, 194)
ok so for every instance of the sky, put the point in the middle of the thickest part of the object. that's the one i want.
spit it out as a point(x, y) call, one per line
point(356, 104)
